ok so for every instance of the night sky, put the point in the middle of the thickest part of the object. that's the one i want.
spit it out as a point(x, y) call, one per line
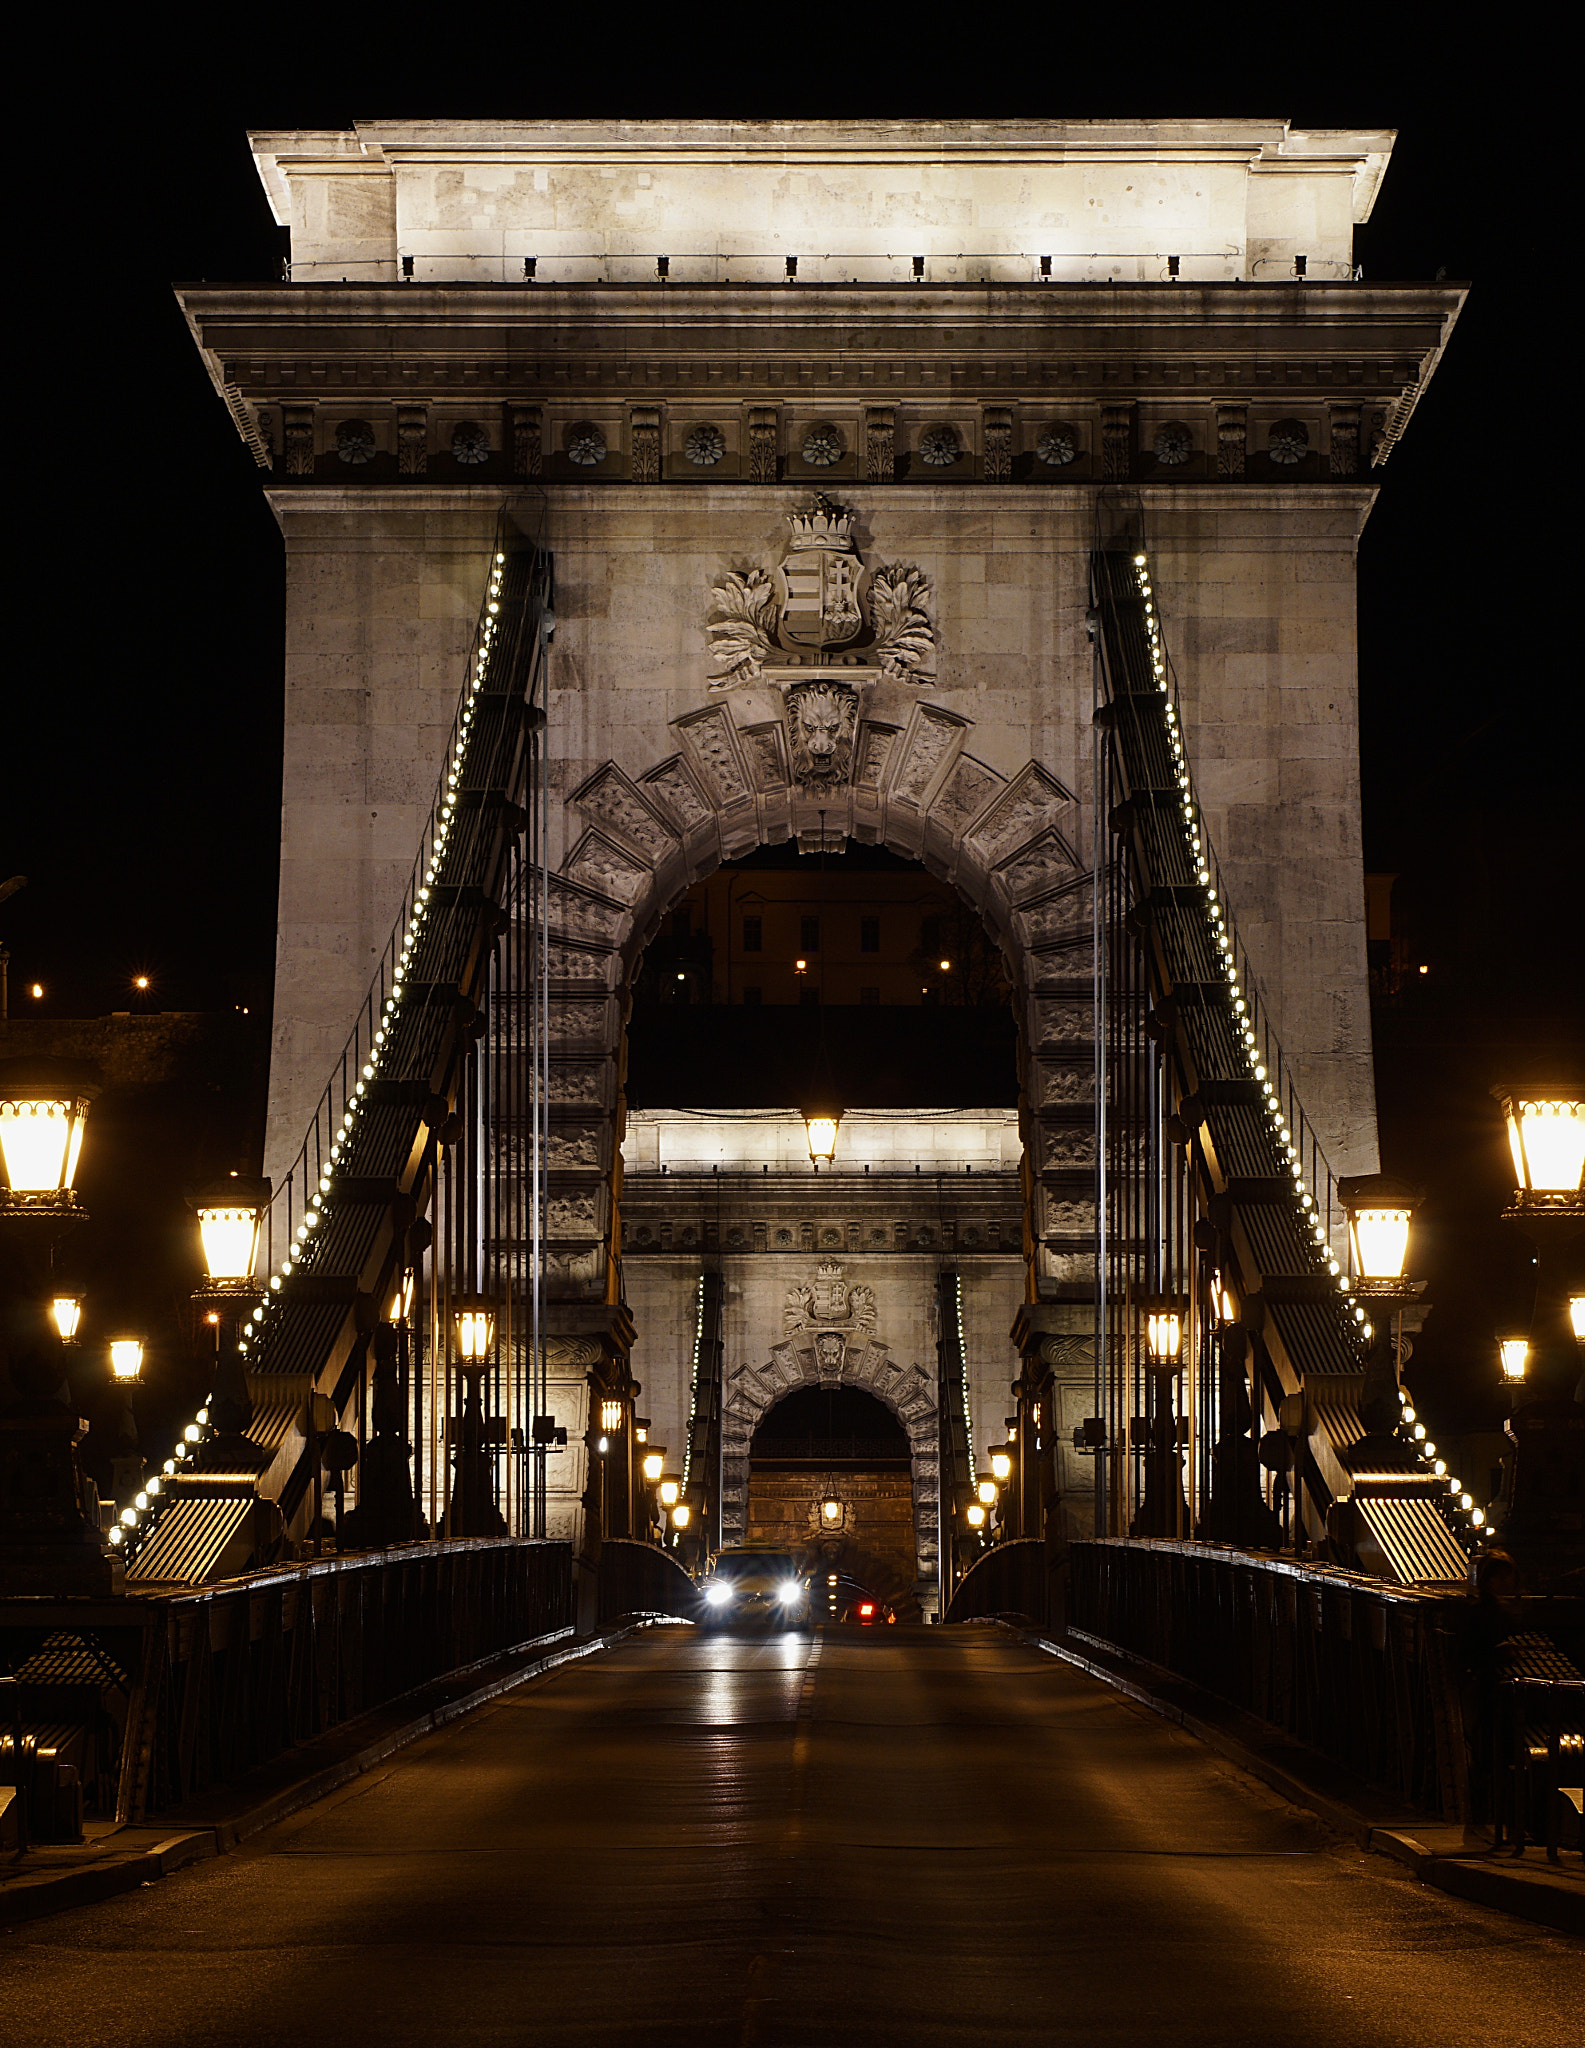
point(141, 742)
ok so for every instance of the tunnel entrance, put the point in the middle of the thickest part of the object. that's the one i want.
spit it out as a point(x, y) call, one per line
point(829, 1474)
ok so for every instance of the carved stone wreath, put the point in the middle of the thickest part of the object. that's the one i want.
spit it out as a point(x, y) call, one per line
point(705, 446)
point(1057, 446)
point(823, 445)
point(1289, 442)
point(585, 444)
point(1174, 444)
point(939, 446)
point(470, 444)
point(355, 441)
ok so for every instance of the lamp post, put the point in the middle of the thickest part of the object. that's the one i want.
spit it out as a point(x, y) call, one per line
point(50, 1540)
point(1540, 1523)
point(230, 1212)
point(1380, 1211)
point(126, 1465)
point(472, 1511)
point(1163, 1511)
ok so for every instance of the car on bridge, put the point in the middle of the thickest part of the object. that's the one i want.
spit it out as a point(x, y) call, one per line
point(754, 1588)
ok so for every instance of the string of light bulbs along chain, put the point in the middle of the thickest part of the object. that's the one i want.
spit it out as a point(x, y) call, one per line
point(137, 1522)
point(1468, 1518)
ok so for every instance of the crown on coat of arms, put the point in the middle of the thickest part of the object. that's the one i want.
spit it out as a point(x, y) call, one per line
point(826, 524)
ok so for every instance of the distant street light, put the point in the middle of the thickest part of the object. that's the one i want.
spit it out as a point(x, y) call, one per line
point(126, 1360)
point(820, 1127)
point(475, 1324)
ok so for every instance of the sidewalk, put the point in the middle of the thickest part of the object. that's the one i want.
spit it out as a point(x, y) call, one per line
point(52, 1878)
point(1454, 1858)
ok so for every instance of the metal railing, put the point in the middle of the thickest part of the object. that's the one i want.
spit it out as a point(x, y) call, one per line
point(1365, 1673)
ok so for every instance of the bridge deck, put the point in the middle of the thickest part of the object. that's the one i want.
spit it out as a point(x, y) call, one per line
point(910, 1837)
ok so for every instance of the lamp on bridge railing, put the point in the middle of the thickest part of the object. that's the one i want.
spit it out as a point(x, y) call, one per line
point(475, 1324)
point(1001, 1457)
point(681, 1515)
point(43, 1113)
point(401, 1305)
point(229, 1214)
point(1164, 1333)
point(1514, 1351)
point(669, 1491)
point(67, 1310)
point(1380, 1210)
point(1546, 1135)
point(653, 1463)
point(610, 1417)
point(974, 1515)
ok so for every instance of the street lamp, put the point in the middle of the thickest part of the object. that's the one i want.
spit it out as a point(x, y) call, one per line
point(1164, 1333)
point(820, 1128)
point(43, 1111)
point(229, 1214)
point(670, 1490)
point(652, 1465)
point(1001, 1457)
point(1379, 1210)
point(126, 1360)
point(1515, 1355)
point(401, 1307)
point(831, 1513)
point(1546, 1134)
point(475, 1323)
point(986, 1490)
point(974, 1515)
point(681, 1515)
point(1162, 1508)
point(67, 1310)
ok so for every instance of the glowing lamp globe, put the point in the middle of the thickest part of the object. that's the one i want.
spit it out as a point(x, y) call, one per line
point(831, 1511)
point(1515, 1355)
point(610, 1416)
point(1001, 1463)
point(1576, 1316)
point(229, 1214)
point(1546, 1134)
point(985, 1490)
point(653, 1465)
point(67, 1310)
point(1379, 1211)
point(126, 1360)
point(1163, 1331)
point(475, 1321)
point(670, 1490)
point(681, 1515)
point(820, 1127)
point(43, 1111)
point(974, 1515)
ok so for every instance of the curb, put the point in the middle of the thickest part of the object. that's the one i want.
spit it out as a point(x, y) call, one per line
point(31, 1898)
point(1544, 1896)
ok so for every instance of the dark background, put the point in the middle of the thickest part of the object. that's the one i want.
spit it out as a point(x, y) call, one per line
point(141, 765)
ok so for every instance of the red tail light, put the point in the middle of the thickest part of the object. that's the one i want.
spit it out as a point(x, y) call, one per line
point(866, 1607)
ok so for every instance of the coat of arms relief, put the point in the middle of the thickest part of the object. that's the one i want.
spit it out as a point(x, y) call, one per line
point(820, 608)
point(830, 1320)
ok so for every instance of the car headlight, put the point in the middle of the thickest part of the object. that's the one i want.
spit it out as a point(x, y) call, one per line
point(717, 1593)
point(789, 1593)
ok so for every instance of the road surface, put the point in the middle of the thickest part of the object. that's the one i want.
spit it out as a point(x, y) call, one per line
point(904, 1837)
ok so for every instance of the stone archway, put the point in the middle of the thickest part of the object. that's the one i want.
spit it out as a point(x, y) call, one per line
point(1005, 842)
point(836, 1348)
